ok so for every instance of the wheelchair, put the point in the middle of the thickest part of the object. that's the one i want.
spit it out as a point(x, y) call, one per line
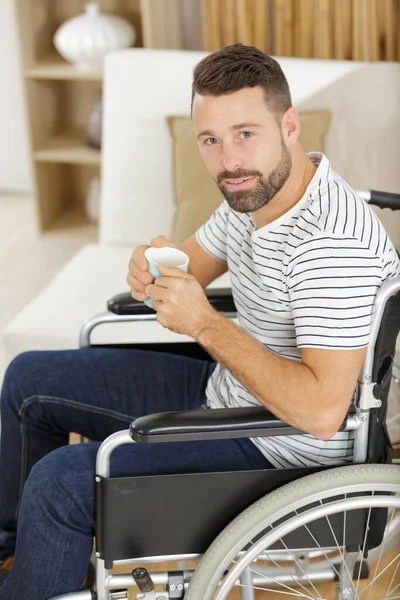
point(273, 533)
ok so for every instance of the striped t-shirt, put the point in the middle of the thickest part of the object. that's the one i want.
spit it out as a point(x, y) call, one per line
point(306, 280)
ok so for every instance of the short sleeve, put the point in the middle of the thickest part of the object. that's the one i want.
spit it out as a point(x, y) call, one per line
point(212, 235)
point(332, 283)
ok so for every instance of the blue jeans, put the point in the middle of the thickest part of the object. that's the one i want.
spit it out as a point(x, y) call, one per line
point(49, 485)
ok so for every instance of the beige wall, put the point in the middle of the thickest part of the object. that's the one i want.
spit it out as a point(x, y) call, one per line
point(14, 156)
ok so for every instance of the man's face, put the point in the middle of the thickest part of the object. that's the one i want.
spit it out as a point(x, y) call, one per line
point(242, 147)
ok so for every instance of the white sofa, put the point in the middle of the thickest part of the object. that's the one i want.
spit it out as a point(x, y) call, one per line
point(141, 88)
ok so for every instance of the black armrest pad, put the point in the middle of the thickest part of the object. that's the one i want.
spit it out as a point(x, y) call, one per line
point(212, 424)
point(123, 304)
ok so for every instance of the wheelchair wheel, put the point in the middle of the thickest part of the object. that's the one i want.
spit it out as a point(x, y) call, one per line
point(315, 530)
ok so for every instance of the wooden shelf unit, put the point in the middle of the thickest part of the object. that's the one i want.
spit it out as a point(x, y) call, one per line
point(60, 98)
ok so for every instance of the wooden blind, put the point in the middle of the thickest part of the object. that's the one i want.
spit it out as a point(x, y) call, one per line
point(342, 29)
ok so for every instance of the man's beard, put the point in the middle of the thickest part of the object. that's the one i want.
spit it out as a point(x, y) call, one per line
point(257, 196)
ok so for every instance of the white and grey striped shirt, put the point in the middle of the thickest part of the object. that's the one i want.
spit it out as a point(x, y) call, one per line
point(306, 280)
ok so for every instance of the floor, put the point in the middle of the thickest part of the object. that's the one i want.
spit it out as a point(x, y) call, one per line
point(29, 261)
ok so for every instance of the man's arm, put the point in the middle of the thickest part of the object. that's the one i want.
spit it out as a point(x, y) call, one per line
point(312, 395)
point(332, 282)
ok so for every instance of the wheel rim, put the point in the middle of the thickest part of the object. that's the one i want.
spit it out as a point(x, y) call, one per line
point(303, 581)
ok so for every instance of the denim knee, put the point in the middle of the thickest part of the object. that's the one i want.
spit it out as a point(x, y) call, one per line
point(10, 394)
point(25, 362)
point(61, 487)
point(24, 366)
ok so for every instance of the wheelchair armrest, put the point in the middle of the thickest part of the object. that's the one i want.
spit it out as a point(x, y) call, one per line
point(123, 304)
point(214, 424)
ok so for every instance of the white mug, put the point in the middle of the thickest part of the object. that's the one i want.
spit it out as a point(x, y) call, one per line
point(167, 257)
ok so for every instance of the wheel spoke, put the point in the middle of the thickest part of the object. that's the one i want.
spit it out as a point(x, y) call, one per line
point(378, 562)
point(394, 589)
point(321, 549)
point(376, 568)
point(363, 547)
point(296, 592)
point(292, 592)
point(380, 574)
point(388, 592)
point(301, 569)
point(350, 577)
point(291, 577)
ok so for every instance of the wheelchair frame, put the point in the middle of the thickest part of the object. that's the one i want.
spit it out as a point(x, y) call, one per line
point(367, 422)
point(157, 428)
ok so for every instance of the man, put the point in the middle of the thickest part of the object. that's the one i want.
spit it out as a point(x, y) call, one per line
point(306, 258)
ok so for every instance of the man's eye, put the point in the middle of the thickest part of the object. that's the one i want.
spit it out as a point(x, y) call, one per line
point(246, 134)
point(211, 141)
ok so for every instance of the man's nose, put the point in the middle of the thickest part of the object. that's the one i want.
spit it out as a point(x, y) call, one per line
point(231, 160)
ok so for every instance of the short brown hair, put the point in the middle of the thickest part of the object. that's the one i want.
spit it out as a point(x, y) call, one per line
point(235, 67)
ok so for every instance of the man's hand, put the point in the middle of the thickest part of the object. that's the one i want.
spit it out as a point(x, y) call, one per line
point(180, 302)
point(138, 276)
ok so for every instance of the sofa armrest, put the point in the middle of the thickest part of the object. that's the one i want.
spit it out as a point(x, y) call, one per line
point(123, 304)
point(218, 424)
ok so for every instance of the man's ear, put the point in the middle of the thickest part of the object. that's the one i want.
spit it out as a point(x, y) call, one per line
point(290, 126)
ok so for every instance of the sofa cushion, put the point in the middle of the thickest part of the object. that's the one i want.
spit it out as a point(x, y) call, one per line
point(196, 195)
point(53, 319)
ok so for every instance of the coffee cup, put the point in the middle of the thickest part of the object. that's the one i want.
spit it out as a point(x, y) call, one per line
point(167, 257)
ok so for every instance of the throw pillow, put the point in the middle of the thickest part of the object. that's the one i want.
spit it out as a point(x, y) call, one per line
point(196, 194)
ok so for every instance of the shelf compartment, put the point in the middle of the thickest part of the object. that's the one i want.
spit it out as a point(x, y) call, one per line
point(38, 22)
point(73, 221)
point(62, 189)
point(68, 149)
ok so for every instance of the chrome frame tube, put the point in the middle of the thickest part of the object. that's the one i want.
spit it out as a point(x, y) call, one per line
point(360, 448)
point(246, 580)
point(124, 581)
point(82, 595)
point(102, 580)
point(285, 556)
point(353, 422)
point(292, 580)
point(268, 575)
point(103, 456)
point(388, 289)
point(108, 317)
point(364, 194)
point(272, 578)
point(345, 584)
point(158, 559)
point(367, 400)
